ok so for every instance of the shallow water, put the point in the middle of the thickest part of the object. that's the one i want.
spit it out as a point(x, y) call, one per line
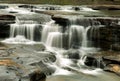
point(103, 76)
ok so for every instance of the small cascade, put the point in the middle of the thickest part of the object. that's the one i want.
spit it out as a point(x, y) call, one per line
point(54, 39)
point(85, 37)
point(84, 30)
point(51, 35)
point(80, 20)
point(48, 28)
point(76, 35)
point(24, 28)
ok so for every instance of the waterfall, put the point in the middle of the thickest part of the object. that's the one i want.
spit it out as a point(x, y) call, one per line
point(76, 35)
point(80, 20)
point(47, 28)
point(69, 45)
point(51, 35)
point(54, 39)
point(24, 28)
point(85, 37)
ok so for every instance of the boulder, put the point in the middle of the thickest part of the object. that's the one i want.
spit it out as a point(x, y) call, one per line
point(115, 68)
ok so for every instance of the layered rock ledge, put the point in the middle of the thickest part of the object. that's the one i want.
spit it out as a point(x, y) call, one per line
point(5, 21)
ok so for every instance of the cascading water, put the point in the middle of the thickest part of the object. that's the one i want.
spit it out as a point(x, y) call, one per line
point(71, 61)
point(85, 39)
point(54, 39)
point(76, 34)
point(24, 28)
point(47, 28)
point(51, 35)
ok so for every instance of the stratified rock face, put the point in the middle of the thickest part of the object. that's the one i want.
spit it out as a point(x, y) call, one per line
point(109, 37)
point(5, 20)
point(7, 17)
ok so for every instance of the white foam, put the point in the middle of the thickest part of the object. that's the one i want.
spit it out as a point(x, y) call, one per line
point(18, 40)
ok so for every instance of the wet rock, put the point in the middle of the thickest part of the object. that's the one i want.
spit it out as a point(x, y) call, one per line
point(4, 30)
point(7, 17)
point(7, 75)
point(52, 58)
point(37, 76)
point(52, 8)
point(105, 7)
point(93, 61)
point(103, 59)
point(115, 47)
point(39, 47)
point(3, 46)
point(76, 8)
point(26, 6)
point(107, 36)
point(3, 6)
point(115, 68)
point(74, 55)
point(44, 67)
point(112, 59)
point(61, 20)
point(5, 20)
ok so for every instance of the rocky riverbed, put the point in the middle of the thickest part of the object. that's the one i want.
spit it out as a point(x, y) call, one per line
point(29, 63)
point(30, 58)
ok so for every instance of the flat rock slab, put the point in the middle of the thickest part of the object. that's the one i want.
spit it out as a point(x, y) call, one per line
point(22, 60)
point(114, 58)
point(7, 75)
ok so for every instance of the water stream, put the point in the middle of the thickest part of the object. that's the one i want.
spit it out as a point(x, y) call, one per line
point(67, 66)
